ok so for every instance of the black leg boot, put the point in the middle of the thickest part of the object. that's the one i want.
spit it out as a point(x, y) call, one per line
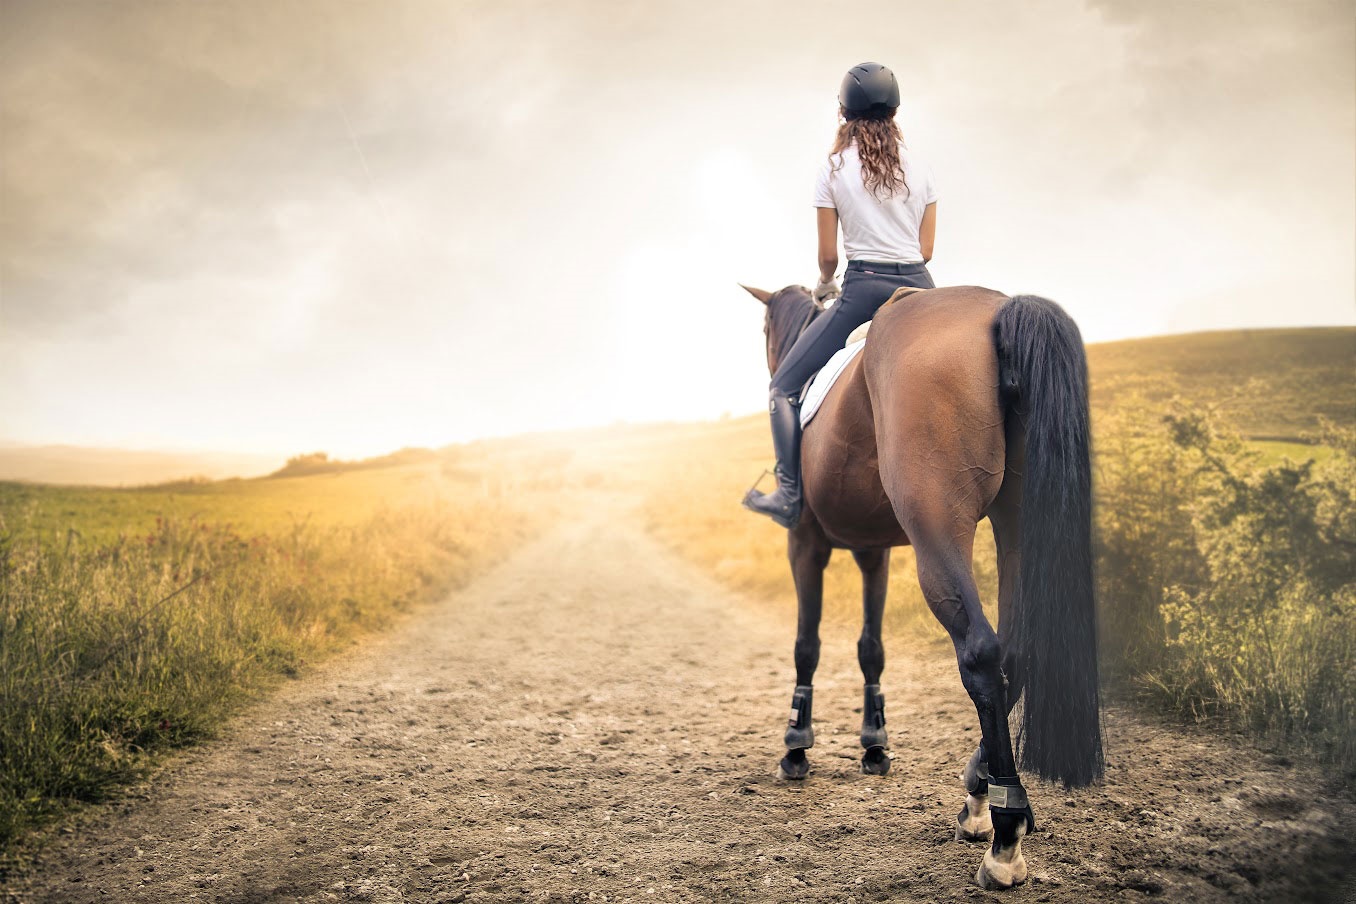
point(782, 504)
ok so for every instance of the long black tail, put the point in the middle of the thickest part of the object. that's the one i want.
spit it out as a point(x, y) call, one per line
point(1043, 375)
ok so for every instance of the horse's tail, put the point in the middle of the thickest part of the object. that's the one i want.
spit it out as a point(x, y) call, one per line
point(1043, 379)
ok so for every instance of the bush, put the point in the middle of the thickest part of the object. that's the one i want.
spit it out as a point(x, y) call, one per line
point(1229, 586)
point(1144, 539)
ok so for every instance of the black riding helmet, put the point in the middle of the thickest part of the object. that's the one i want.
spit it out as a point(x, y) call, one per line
point(869, 88)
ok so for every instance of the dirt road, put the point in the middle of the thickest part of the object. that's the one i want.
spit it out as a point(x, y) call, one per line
point(594, 720)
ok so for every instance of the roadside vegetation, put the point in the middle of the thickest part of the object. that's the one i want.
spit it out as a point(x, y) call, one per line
point(1228, 580)
point(134, 621)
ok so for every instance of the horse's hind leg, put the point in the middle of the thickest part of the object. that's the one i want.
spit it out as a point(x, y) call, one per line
point(875, 567)
point(974, 824)
point(943, 552)
point(809, 551)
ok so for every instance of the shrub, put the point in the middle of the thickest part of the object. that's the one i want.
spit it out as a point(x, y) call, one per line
point(1253, 582)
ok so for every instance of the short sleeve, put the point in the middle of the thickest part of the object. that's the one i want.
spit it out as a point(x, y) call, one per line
point(824, 186)
point(930, 196)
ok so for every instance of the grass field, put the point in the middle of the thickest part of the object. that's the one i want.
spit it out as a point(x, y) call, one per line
point(1272, 384)
point(133, 621)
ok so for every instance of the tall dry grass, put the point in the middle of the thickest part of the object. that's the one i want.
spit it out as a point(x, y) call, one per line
point(116, 646)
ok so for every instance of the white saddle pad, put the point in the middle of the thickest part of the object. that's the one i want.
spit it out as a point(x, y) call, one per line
point(827, 376)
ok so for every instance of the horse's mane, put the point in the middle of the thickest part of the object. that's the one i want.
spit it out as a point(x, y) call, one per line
point(788, 311)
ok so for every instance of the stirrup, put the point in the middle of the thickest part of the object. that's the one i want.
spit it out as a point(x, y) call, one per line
point(753, 491)
point(788, 521)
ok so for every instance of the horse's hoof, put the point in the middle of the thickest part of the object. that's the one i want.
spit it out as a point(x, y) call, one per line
point(974, 823)
point(970, 836)
point(793, 770)
point(1002, 872)
point(875, 762)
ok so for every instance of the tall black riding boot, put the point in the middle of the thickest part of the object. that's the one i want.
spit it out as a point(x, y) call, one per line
point(782, 504)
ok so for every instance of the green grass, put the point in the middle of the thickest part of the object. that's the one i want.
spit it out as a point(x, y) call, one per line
point(1274, 452)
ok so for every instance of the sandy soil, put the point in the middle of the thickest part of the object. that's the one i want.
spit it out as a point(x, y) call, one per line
point(595, 720)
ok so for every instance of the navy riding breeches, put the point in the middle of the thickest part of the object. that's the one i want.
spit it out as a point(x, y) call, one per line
point(866, 286)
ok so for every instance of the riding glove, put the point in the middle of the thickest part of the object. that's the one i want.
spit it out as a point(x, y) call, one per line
point(827, 289)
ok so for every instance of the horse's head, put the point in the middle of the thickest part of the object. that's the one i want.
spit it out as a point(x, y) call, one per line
point(787, 313)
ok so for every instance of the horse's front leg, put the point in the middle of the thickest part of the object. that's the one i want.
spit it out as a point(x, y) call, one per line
point(809, 551)
point(875, 567)
point(973, 823)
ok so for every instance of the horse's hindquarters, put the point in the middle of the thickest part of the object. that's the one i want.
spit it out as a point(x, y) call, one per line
point(931, 373)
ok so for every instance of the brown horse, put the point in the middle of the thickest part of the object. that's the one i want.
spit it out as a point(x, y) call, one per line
point(963, 404)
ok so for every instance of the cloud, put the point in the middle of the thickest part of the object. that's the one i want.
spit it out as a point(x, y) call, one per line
point(415, 221)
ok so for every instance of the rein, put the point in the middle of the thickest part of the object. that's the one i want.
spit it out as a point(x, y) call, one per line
point(815, 311)
point(810, 315)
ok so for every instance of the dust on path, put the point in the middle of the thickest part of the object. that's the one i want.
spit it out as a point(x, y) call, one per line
point(595, 720)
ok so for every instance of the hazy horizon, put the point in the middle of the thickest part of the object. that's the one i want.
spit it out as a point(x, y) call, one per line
point(284, 227)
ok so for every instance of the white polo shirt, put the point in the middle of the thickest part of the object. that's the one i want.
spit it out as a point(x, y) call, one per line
point(875, 229)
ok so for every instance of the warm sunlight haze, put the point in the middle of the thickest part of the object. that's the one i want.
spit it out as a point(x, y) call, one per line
point(276, 228)
point(410, 490)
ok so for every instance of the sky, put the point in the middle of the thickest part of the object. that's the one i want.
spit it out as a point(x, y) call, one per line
point(281, 226)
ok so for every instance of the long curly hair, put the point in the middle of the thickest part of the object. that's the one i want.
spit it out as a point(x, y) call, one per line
point(877, 137)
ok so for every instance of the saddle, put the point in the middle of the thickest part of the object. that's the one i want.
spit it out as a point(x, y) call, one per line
point(827, 375)
point(820, 384)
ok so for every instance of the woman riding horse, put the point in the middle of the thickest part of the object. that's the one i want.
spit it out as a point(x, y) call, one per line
point(964, 405)
point(884, 197)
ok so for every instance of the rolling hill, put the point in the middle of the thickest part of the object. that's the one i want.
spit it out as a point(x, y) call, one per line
point(1273, 384)
point(123, 467)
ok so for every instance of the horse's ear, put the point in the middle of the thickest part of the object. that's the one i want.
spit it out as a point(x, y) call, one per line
point(760, 294)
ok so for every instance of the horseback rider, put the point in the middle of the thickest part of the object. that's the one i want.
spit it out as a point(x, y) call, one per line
point(885, 198)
